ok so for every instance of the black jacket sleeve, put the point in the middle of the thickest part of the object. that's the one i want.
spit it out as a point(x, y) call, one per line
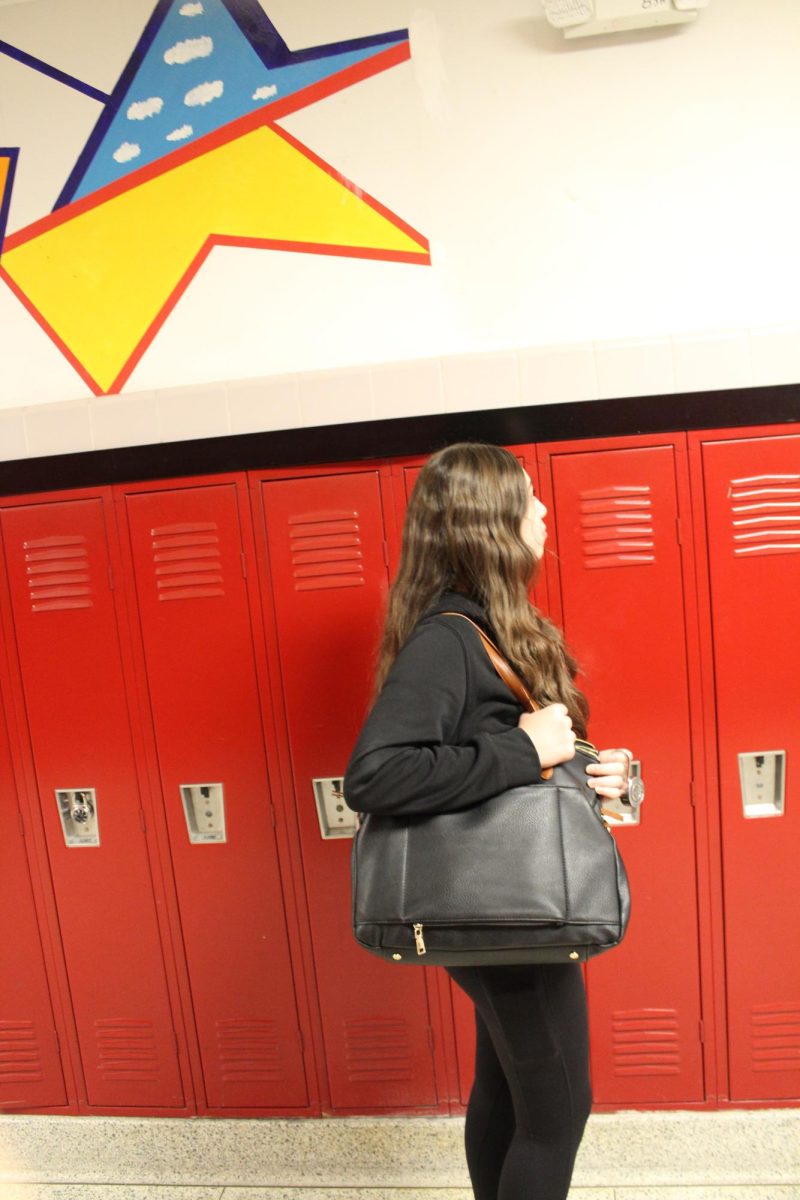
point(407, 758)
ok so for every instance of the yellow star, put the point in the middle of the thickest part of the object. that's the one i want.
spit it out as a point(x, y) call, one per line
point(103, 273)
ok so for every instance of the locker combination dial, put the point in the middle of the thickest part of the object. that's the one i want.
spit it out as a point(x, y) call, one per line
point(77, 808)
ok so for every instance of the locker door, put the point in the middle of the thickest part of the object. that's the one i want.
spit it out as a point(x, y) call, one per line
point(752, 491)
point(619, 568)
point(198, 644)
point(329, 582)
point(30, 1070)
point(74, 689)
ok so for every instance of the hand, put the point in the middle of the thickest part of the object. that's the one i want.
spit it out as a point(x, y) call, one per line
point(611, 773)
point(550, 730)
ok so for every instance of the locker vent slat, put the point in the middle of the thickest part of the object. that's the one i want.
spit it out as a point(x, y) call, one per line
point(58, 573)
point(249, 1051)
point(617, 527)
point(126, 1050)
point(765, 514)
point(377, 1049)
point(20, 1061)
point(775, 1037)
point(325, 548)
point(187, 561)
point(645, 1042)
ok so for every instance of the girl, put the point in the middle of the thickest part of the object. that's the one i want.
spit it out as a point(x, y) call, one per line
point(445, 733)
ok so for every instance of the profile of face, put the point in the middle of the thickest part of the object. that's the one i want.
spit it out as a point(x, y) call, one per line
point(533, 529)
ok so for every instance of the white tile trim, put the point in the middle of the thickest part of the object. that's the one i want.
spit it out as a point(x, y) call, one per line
point(482, 381)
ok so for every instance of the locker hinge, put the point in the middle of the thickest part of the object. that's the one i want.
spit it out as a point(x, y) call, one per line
point(177, 1042)
point(110, 577)
point(244, 565)
point(385, 545)
point(430, 1038)
point(702, 1031)
point(142, 821)
point(302, 1042)
point(58, 1041)
point(272, 815)
point(679, 531)
point(21, 824)
point(692, 797)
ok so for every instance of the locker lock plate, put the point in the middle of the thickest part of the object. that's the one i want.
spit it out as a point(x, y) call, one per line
point(204, 809)
point(336, 820)
point(77, 808)
point(762, 775)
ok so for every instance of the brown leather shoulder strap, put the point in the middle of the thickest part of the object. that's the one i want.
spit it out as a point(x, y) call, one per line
point(506, 673)
point(503, 668)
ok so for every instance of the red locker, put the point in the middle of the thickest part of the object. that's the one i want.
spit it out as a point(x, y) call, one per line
point(74, 691)
point(30, 1068)
point(617, 558)
point(752, 495)
point(328, 578)
point(189, 564)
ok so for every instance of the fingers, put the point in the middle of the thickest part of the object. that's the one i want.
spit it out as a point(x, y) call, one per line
point(608, 766)
point(607, 774)
point(618, 756)
point(607, 778)
point(612, 772)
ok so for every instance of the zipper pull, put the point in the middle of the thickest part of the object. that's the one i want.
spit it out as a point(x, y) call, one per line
point(419, 939)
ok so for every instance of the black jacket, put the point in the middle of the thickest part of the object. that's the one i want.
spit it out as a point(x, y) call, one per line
point(443, 734)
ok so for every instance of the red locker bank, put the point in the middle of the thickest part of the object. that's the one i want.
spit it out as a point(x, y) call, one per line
point(185, 665)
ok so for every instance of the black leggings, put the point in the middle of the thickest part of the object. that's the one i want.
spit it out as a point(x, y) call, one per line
point(531, 1096)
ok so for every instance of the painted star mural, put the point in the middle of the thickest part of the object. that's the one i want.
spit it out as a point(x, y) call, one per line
point(187, 155)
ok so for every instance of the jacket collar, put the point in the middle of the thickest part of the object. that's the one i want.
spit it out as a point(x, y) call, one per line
point(458, 602)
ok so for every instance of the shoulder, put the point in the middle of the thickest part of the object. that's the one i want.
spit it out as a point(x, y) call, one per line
point(436, 635)
point(437, 651)
point(442, 645)
point(448, 631)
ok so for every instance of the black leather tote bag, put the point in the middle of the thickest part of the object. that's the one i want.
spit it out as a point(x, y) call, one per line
point(530, 875)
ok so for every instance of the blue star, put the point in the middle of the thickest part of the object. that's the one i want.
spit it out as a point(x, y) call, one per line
point(199, 65)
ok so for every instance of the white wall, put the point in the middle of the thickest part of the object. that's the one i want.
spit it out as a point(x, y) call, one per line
point(625, 206)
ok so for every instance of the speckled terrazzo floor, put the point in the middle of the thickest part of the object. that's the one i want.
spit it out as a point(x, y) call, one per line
point(79, 1191)
point(732, 1155)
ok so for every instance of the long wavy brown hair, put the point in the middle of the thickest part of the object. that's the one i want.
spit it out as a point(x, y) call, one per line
point(462, 533)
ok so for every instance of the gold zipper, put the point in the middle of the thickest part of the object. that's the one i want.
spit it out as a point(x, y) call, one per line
point(587, 748)
point(419, 939)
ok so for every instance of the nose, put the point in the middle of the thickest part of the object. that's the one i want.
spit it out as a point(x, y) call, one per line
point(540, 508)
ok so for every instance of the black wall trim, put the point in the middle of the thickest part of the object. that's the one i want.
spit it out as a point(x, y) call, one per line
point(404, 436)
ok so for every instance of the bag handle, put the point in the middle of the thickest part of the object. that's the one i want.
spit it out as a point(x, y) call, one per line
point(506, 673)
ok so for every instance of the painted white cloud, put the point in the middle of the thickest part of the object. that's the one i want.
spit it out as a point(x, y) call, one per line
point(189, 49)
point(265, 92)
point(179, 134)
point(204, 93)
point(191, 10)
point(126, 152)
point(141, 109)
